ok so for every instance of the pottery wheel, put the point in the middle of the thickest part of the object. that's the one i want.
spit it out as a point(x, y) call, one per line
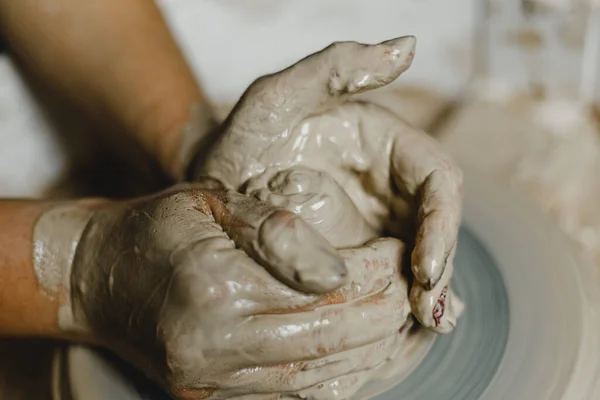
point(529, 331)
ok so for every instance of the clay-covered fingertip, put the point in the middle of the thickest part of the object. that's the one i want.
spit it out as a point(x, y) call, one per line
point(401, 51)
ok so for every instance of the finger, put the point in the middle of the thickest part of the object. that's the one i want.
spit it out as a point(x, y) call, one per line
point(288, 247)
point(437, 308)
point(311, 335)
point(438, 222)
point(422, 172)
point(362, 67)
point(296, 376)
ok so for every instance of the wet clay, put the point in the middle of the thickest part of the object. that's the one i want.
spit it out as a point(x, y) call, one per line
point(396, 176)
point(163, 282)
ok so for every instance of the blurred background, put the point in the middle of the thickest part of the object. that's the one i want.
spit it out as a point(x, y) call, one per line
point(510, 87)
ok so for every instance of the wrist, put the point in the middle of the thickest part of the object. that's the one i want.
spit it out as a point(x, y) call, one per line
point(56, 238)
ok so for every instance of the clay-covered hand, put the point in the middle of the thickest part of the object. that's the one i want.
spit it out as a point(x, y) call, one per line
point(301, 116)
point(163, 281)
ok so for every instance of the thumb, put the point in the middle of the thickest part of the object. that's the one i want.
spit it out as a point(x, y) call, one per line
point(280, 241)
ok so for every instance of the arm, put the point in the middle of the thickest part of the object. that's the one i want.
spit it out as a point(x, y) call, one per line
point(116, 59)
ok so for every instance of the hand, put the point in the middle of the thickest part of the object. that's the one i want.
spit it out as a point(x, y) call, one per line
point(300, 116)
point(162, 282)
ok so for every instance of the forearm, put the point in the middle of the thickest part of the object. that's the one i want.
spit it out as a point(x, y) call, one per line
point(24, 308)
point(116, 59)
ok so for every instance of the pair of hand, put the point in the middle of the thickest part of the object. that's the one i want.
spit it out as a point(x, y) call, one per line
point(182, 284)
